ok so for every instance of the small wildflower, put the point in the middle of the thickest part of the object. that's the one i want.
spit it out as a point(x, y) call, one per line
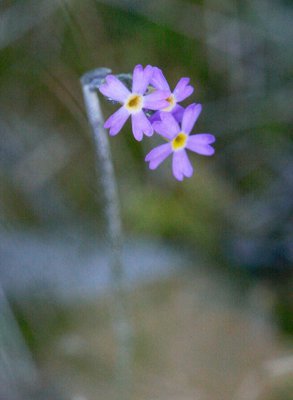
point(179, 141)
point(134, 102)
point(181, 92)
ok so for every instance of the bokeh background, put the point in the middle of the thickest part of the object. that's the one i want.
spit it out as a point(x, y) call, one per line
point(208, 261)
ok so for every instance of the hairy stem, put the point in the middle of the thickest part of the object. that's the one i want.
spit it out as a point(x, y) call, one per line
point(104, 165)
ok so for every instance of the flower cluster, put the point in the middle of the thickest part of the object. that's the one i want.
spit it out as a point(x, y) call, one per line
point(153, 107)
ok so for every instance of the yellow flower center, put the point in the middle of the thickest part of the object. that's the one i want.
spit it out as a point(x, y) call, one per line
point(179, 141)
point(134, 103)
point(172, 102)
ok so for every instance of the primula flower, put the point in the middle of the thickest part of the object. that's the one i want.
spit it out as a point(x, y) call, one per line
point(134, 102)
point(180, 93)
point(179, 141)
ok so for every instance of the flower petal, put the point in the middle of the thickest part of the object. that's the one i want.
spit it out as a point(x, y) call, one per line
point(159, 81)
point(141, 78)
point(190, 116)
point(116, 121)
point(178, 112)
point(182, 89)
point(181, 165)
point(141, 125)
point(114, 89)
point(155, 117)
point(156, 156)
point(169, 120)
point(201, 144)
point(164, 130)
point(156, 100)
point(203, 138)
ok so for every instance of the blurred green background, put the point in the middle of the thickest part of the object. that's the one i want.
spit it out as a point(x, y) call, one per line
point(231, 222)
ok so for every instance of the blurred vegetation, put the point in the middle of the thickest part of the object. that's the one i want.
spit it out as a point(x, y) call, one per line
point(235, 214)
point(237, 208)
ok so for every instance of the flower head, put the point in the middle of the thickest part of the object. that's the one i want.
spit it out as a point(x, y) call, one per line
point(133, 102)
point(181, 92)
point(180, 140)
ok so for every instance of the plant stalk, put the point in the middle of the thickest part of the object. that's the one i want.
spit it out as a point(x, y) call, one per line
point(105, 171)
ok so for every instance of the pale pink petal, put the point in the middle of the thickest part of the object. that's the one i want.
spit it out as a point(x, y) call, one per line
point(159, 81)
point(182, 89)
point(156, 100)
point(201, 144)
point(181, 165)
point(116, 121)
point(141, 125)
point(190, 116)
point(141, 78)
point(114, 89)
point(156, 156)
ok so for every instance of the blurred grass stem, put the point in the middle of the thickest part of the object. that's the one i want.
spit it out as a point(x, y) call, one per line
point(105, 170)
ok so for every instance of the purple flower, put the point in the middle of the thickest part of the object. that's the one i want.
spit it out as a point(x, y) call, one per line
point(133, 102)
point(180, 93)
point(178, 141)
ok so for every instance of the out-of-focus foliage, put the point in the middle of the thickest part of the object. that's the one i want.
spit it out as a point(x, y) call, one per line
point(239, 203)
point(237, 209)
